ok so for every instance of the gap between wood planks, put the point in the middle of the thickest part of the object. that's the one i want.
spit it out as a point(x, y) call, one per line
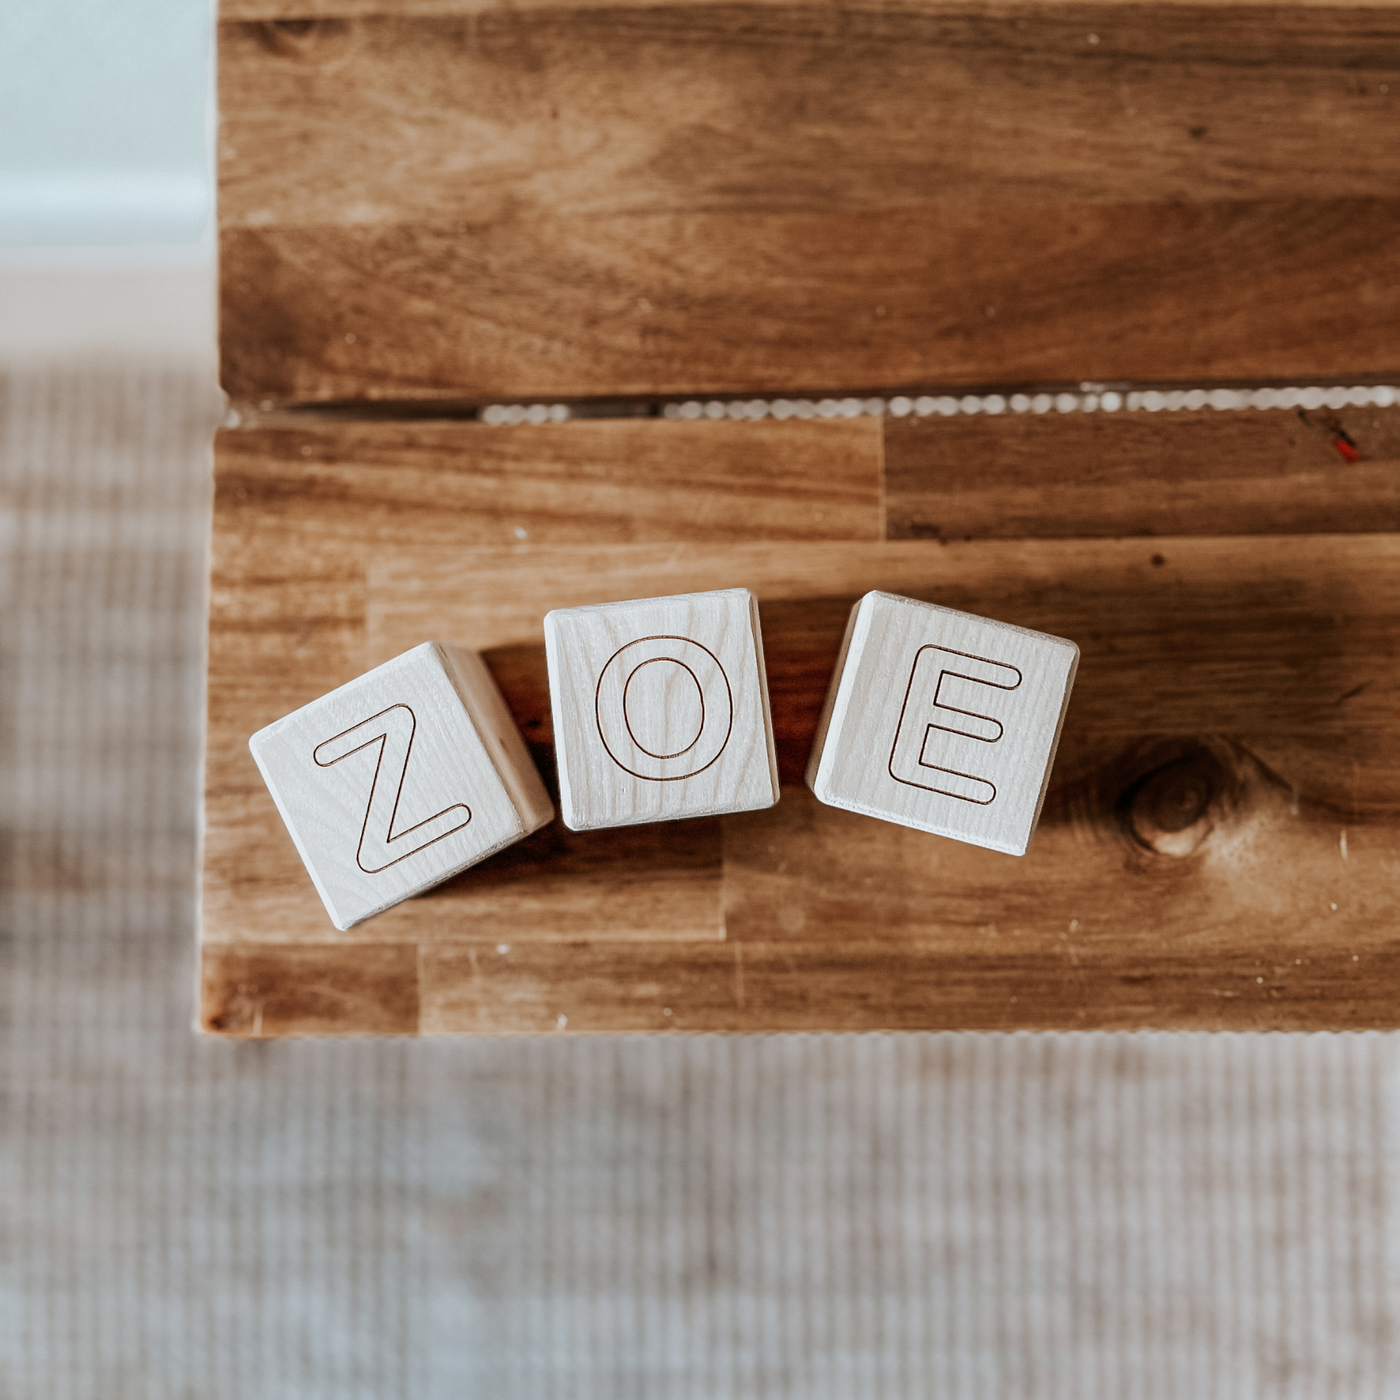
point(1084, 397)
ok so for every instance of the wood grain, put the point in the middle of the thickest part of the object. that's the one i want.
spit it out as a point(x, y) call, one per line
point(1101, 474)
point(556, 885)
point(609, 482)
point(295, 15)
point(850, 985)
point(271, 992)
point(1247, 864)
point(1227, 771)
point(763, 198)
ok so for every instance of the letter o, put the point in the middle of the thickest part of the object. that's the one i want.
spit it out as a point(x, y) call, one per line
point(614, 695)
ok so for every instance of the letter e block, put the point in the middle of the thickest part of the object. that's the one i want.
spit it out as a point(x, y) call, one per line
point(400, 779)
point(660, 709)
point(943, 721)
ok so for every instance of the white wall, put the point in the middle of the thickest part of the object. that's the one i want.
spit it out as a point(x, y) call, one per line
point(106, 189)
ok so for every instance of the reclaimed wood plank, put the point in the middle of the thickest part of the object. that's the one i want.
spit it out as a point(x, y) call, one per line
point(1022, 296)
point(262, 993)
point(770, 199)
point(654, 883)
point(616, 480)
point(1184, 843)
point(1107, 474)
point(293, 17)
point(1227, 771)
point(853, 985)
point(416, 120)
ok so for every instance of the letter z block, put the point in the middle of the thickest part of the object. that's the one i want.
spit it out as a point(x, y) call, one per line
point(660, 709)
point(401, 779)
point(943, 721)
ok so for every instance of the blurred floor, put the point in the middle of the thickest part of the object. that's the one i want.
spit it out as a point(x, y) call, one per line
point(66, 304)
point(914, 1216)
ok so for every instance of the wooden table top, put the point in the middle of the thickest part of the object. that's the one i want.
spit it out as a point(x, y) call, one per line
point(427, 206)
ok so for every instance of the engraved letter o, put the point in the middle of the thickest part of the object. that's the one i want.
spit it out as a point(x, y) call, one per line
point(689, 660)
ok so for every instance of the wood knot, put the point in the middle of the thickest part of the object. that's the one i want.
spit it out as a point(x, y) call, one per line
point(1173, 807)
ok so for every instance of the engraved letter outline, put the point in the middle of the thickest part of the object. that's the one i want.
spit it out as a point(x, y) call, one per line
point(712, 716)
point(362, 736)
point(964, 732)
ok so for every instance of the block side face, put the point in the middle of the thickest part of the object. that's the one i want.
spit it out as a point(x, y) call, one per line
point(832, 716)
point(555, 651)
point(496, 727)
point(950, 723)
point(386, 787)
point(660, 709)
point(991, 841)
point(756, 625)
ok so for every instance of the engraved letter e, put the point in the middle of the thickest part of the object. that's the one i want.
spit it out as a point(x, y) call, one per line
point(943, 736)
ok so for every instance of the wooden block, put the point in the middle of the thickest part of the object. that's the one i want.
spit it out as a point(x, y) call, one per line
point(660, 709)
point(943, 721)
point(400, 779)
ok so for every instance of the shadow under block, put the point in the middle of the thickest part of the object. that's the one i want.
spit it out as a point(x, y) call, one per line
point(456, 200)
point(942, 721)
point(660, 709)
point(400, 779)
point(1219, 847)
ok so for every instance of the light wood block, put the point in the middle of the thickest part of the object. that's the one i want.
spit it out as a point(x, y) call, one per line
point(660, 709)
point(401, 779)
point(943, 721)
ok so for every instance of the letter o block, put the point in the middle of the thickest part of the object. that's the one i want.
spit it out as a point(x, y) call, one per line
point(660, 709)
point(943, 721)
point(400, 779)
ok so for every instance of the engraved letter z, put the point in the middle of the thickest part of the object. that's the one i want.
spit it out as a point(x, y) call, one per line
point(392, 730)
